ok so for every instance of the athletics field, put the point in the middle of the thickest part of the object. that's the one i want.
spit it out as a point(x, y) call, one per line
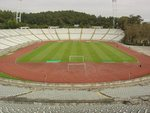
point(89, 51)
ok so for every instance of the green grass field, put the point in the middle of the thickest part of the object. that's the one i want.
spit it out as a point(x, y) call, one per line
point(92, 52)
point(3, 75)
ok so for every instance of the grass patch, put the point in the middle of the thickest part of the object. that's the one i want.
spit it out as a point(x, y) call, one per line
point(92, 51)
point(3, 75)
point(6, 76)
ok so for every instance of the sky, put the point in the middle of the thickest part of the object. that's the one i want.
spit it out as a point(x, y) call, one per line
point(94, 7)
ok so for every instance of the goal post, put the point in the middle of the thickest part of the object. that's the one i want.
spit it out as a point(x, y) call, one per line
point(76, 58)
point(77, 62)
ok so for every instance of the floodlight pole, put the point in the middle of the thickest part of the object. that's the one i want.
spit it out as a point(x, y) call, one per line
point(114, 8)
point(18, 17)
point(18, 13)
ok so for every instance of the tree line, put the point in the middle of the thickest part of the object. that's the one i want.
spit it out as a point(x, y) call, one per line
point(63, 19)
point(136, 31)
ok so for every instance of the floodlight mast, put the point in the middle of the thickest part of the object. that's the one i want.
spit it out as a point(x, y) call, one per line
point(18, 13)
point(114, 8)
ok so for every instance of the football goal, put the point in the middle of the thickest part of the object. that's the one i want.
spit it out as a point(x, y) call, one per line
point(76, 62)
point(76, 58)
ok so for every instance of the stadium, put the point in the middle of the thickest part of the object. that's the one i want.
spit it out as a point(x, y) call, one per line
point(72, 70)
point(70, 55)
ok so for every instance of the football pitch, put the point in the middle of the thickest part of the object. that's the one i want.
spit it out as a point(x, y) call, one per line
point(90, 51)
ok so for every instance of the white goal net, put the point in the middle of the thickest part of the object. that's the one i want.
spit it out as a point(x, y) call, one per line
point(76, 58)
point(76, 62)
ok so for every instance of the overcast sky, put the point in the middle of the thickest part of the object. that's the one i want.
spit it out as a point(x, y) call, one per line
point(96, 7)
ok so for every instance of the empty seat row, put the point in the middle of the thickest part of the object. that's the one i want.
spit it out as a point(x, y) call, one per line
point(22, 37)
point(71, 108)
point(64, 34)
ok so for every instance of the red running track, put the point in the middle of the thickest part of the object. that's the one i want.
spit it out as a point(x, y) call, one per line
point(58, 73)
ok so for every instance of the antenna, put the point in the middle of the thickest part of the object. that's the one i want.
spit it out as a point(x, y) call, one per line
point(18, 13)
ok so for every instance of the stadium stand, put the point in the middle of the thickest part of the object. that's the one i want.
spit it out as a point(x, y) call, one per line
point(64, 95)
point(2, 46)
point(53, 34)
point(48, 34)
point(128, 92)
point(26, 97)
point(14, 99)
point(87, 34)
point(7, 91)
point(131, 99)
point(39, 34)
point(6, 42)
point(119, 34)
point(63, 34)
point(19, 38)
point(75, 34)
point(71, 108)
point(100, 34)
